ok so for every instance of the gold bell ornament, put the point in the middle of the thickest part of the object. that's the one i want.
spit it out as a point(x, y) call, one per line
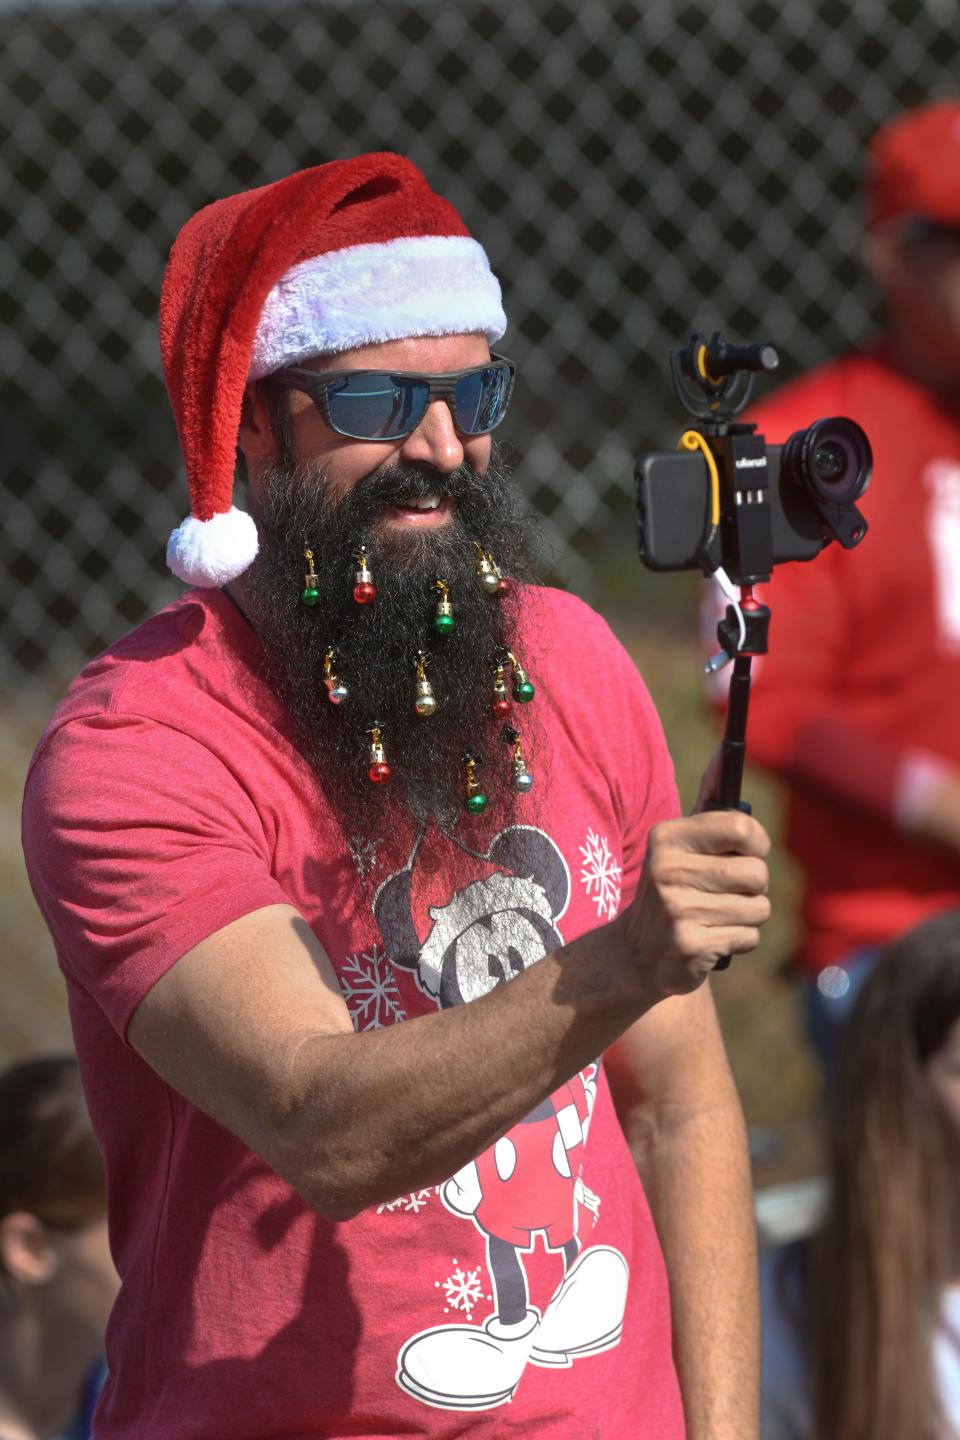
point(425, 702)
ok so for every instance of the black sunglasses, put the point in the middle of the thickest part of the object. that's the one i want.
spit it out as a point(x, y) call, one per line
point(389, 404)
point(917, 228)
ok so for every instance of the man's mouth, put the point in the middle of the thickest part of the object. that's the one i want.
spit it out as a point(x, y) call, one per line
point(424, 502)
point(425, 510)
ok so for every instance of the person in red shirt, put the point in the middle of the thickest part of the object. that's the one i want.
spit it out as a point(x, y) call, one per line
point(387, 983)
point(856, 705)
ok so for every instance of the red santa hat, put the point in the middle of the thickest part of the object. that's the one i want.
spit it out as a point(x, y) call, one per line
point(342, 255)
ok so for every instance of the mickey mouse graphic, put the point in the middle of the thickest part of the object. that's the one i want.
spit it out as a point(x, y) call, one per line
point(527, 1183)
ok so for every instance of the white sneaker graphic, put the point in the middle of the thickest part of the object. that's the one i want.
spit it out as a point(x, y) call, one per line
point(585, 1316)
point(466, 1367)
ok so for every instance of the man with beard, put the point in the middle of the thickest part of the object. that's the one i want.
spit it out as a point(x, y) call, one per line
point(287, 828)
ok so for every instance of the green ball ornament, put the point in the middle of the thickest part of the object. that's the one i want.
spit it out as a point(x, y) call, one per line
point(524, 692)
point(443, 624)
point(310, 597)
point(476, 803)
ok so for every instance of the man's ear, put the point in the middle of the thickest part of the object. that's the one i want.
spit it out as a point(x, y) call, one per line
point(255, 436)
point(881, 252)
point(26, 1254)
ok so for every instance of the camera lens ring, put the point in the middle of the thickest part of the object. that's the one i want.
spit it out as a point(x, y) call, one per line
point(831, 459)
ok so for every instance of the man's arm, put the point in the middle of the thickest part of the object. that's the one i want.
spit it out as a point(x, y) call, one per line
point(250, 1026)
point(679, 1110)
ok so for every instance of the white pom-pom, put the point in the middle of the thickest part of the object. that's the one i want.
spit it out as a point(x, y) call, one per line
point(215, 551)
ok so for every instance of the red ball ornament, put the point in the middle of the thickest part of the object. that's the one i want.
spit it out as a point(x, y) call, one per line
point(501, 707)
point(380, 772)
point(503, 588)
point(364, 593)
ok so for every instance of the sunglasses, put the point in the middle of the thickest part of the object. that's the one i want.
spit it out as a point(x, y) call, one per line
point(919, 228)
point(389, 404)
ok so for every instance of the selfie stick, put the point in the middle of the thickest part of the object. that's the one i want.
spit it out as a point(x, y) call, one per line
point(740, 645)
point(756, 619)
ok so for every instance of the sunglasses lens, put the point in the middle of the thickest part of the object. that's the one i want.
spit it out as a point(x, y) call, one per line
point(370, 406)
point(481, 399)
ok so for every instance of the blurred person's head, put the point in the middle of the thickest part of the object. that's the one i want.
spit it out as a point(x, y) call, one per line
point(913, 238)
point(358, 271)
point(891, 1240)
point(54, 1258)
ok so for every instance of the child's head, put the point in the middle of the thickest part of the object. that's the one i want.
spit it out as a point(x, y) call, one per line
point(53, 1240)
point(899, 1086)
point(889, 1245)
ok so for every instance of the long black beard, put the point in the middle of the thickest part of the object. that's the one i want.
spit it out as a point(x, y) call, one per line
point(376, 644)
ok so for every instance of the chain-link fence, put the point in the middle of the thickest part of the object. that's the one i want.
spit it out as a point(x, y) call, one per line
point(635, 171)
point(632, 169)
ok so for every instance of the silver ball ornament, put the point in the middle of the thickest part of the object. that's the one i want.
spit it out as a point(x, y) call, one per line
point(523, 782)
point(490, 581)
point(338, 694)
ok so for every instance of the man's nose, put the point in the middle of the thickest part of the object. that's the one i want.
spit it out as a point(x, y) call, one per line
point(435, 441)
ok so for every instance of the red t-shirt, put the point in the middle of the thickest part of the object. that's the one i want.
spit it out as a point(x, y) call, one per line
point(864, 663)
point(528, 1293)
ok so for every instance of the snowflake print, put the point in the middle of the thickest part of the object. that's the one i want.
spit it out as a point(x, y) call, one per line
point(410, 1204)
point(462, 1290)
point(391, 1205)
point(601, 875)
point(370, 989)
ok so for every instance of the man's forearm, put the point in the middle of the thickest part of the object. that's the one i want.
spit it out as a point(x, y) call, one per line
point(389, 1111)
point(697, 1179)
point(393, 1110)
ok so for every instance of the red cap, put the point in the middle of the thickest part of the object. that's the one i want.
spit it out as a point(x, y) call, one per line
point(914, 166)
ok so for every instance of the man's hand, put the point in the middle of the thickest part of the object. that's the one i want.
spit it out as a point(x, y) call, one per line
point(702, 895)
point(930, 802)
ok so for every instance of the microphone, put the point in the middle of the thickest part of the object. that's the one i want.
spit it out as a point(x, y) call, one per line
point(715, 359)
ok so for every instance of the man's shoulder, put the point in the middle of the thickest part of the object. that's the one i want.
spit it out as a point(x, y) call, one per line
point(577, 654)
point(156, 668)
point(560, 620)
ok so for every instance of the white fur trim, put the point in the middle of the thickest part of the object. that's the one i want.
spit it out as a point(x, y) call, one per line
point(213, 552)
point(366, 294)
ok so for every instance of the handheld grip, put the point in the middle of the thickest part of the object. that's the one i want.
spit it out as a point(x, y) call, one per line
point(734, 752)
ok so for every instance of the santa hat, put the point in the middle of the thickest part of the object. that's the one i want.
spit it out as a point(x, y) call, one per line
point(346, 254)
